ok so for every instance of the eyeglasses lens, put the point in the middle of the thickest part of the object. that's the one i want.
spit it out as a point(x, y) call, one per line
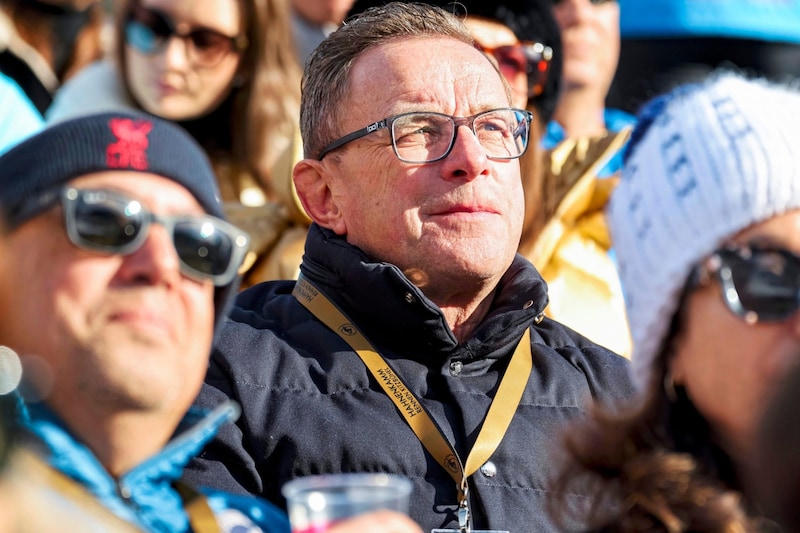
point(425, 137)
point(767, 282)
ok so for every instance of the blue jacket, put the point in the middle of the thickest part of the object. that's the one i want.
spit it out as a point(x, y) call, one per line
point(310, 406)
point(19, 119)
point(145, 496)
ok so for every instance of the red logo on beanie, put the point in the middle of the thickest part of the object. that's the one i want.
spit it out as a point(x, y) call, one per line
point(130, 149)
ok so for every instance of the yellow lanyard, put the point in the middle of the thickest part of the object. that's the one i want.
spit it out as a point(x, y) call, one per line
point(430, 435)
point(201, 517)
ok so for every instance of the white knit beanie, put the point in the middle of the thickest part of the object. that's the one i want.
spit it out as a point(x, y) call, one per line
point(705, 162)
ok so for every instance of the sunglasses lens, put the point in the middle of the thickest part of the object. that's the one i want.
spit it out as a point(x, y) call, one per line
point(767, 283)
point(147, 30)
point(203, 246)
point(538, 58)
point(208, 248)
point(141, 37)
point(511, 59)
point(209, 46)
point(101, 222)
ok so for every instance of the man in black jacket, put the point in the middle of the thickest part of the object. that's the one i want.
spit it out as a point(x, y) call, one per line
point(414, 341)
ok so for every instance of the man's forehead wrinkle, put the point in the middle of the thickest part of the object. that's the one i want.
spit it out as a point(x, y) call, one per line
point(413, 90)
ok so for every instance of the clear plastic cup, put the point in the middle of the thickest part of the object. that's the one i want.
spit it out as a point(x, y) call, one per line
point(316, 502)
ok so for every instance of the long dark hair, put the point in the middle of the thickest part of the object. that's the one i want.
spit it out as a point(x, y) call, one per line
point(654, 466)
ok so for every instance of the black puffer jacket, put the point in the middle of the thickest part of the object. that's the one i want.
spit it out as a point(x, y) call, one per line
point(310, 405)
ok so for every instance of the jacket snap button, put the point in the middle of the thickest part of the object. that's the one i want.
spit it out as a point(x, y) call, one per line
point(455, 368)
point(527, 304)
point(410, 298)
point(488, 469)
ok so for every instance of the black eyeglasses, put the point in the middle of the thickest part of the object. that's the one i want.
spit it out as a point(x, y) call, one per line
point(531, 58)
point(425, 137)
point(109, 222)
point(758, 284)
point(149, 31)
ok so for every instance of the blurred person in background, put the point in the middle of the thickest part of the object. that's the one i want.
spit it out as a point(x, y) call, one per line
point(313, 20)
point(43, 43)
point(129, 268)
point(706, 226)
point(225, 71)
point(590, 37)
point(114, 327)
point(568, 238)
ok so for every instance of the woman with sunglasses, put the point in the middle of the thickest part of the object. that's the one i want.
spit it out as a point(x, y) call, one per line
point(706, 226)
point(225, 70)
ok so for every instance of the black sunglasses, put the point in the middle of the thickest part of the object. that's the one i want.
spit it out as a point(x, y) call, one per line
point(110, 222)
point(758, 284)
point(149, 31)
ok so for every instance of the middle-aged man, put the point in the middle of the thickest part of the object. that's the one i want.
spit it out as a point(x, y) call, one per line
point(414, 341)
point(115, 268)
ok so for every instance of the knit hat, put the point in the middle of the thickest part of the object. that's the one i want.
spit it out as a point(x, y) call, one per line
point(705, 162)
point(33, 173)
point(530, 20)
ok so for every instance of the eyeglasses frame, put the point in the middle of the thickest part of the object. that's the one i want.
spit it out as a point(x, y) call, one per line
point(387, 122)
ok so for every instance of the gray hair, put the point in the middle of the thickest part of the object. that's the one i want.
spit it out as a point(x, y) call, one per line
point(327, 72)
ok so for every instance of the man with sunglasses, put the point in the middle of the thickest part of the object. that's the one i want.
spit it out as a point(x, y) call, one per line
point(116, 267)
point(414, 341)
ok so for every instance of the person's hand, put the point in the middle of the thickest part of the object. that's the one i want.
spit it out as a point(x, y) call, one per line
point(377, 522)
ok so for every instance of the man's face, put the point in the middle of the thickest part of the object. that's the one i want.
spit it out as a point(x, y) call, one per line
point(128, 333)
point(450, 224)
point(591, 42)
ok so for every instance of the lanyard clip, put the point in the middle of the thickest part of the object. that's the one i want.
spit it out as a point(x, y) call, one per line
point(463, 518)
point(463, 508)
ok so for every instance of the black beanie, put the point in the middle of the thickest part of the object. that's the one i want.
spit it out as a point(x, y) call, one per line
point(33, 173)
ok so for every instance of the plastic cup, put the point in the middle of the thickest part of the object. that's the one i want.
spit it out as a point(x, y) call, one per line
point(316, 502)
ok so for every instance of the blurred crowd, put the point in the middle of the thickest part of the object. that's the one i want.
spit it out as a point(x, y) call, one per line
point(359, 208)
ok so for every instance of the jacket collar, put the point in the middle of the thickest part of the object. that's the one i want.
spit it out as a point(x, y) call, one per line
point(149, 484)
point(391, 310)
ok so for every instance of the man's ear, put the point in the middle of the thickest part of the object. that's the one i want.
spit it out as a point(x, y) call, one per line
point(312, 182)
